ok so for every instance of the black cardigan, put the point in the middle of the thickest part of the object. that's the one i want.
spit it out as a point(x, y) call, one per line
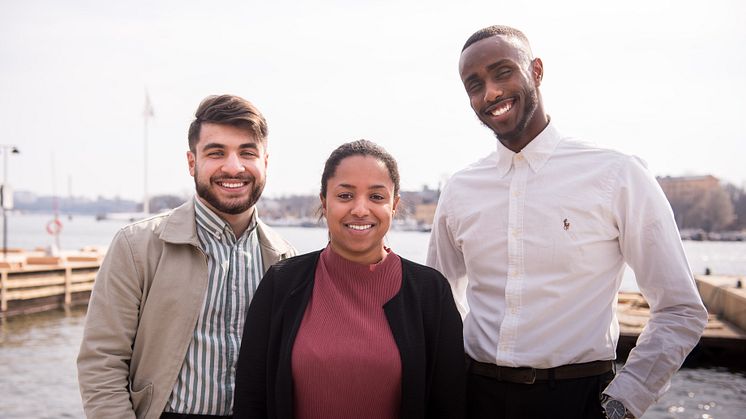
point(423, 319)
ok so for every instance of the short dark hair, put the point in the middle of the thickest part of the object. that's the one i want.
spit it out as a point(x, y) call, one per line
point(495, 30)
point(228, 110)
point(359, 148)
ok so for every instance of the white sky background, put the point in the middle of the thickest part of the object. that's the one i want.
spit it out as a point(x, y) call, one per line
point(664, 80)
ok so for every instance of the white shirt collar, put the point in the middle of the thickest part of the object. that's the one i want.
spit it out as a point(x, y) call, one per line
point(536, 153)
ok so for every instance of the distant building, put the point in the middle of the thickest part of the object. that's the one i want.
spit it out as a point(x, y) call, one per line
point(687, 188)
point(425, 213)
point(24, 197)
point(699, 202)
point(417, 205)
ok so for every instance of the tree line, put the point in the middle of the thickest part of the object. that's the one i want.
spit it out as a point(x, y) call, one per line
point(715, 209)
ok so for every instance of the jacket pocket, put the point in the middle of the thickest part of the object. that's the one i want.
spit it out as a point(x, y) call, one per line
point(141, 399)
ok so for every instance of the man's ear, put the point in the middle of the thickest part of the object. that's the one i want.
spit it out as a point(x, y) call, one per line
point(537, 70)
point(191, 160)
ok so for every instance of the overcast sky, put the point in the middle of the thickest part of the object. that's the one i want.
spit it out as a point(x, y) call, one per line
point(664, 80)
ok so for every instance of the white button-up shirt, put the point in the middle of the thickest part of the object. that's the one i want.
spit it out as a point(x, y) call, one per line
point(535, 244)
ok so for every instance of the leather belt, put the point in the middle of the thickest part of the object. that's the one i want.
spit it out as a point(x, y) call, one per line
point(528, 375)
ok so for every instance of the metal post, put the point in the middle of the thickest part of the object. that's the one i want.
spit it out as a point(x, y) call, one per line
point(5, 216)
point(147, 113)
point(6, 149)
point(146, 199)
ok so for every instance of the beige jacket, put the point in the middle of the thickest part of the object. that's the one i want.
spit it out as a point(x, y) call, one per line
point(143, 309)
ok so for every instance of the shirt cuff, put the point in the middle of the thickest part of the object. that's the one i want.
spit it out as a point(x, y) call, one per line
point(635, 397)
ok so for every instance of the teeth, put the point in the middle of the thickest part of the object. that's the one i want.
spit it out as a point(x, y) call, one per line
point(231, 184)
point(502, 109)
point(359, 227)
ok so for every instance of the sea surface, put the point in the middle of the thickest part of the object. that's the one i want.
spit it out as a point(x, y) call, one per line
point(37, 352)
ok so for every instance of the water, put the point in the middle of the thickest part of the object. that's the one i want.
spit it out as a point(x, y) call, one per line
point(38, 377)
point(28, 231)
point(37, 352)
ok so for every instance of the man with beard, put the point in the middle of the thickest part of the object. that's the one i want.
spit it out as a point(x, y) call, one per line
point(167, 310)
point(534, 239)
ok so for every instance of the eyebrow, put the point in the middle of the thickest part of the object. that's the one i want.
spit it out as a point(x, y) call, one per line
point(211, 146)
point(490, 67)
point(497, 64)
point(349, 186)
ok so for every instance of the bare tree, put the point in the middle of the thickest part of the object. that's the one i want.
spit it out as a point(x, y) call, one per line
point(681, 207)
point(713, 211)
point(738, 197)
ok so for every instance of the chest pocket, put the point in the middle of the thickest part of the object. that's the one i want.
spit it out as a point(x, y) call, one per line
point(555, 240)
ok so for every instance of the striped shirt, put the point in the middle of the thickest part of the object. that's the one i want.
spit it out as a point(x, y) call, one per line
point(206, 381)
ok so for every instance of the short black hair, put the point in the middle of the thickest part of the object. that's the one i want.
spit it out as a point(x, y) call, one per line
point(495, 30)
point(359, 148)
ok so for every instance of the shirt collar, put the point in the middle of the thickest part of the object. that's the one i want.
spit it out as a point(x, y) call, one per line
point(536, 153)
point(213, 224)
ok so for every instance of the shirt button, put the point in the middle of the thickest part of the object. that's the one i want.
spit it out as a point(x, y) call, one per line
point(519, 157)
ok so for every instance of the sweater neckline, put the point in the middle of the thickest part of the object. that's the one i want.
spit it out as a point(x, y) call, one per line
point(334, 261)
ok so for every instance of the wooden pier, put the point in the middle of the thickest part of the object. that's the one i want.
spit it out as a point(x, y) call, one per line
point(32, 282)
point(724, 339)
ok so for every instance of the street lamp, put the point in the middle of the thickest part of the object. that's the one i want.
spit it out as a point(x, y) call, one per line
point(6, 194)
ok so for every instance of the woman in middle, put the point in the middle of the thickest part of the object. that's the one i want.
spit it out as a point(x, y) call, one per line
point(353, 330)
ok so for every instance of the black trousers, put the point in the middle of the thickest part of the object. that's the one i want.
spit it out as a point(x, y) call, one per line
point(488, 398)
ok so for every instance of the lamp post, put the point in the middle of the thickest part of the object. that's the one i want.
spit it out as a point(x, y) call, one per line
point(147, 113)
point(6, 200)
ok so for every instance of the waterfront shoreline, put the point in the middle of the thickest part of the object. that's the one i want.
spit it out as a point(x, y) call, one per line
point(38, 283)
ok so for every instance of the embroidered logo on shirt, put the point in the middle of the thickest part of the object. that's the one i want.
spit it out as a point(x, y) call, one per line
point(566, 224)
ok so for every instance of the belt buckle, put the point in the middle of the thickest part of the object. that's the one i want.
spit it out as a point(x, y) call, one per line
point(532, 378)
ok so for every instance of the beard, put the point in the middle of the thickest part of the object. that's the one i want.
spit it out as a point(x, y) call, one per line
point(530, 104)
point(229, 206)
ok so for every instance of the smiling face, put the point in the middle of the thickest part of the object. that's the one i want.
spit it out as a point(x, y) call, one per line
point(502, 82)
point(229, 168)
point(359, 205)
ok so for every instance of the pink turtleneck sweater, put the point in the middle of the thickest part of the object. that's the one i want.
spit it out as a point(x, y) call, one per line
point(345, 361)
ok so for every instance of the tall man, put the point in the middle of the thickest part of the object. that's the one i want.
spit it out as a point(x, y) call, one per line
point(167, 310)
point(534, 239)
